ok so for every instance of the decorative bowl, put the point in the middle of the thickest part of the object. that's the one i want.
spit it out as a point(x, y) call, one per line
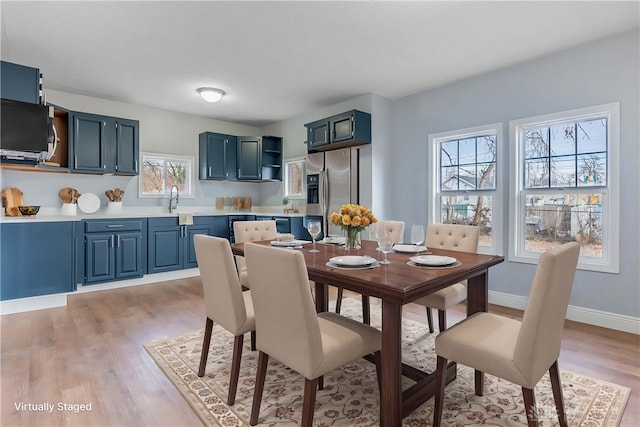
point(28, 210)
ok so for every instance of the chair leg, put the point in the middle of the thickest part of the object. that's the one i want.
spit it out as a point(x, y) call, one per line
point(253, 340)
point(556, 386)
point(261, 373)
point(235, 369)
point(441, 382)
point(442, 320)
point(366, 310)
point(309, 402)
point(339, 300)
point(430, 319)
point(208, 326)
point(530, 406)
point(321, 382)
point(378, 358)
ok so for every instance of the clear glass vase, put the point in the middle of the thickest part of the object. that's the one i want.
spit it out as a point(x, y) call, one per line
point(352, 241)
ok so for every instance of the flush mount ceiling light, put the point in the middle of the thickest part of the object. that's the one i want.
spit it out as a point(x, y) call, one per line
point(211, 94)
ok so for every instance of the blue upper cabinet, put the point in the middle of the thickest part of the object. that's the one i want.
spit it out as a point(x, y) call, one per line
point(20, 83)
point(342, 130)
point(249, 157)
point(103, 144)
point(217, 156)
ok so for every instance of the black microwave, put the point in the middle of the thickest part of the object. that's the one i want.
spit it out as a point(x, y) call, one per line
point(26, 127)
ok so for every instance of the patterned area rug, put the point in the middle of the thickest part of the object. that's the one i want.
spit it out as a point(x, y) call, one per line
point(350, 396)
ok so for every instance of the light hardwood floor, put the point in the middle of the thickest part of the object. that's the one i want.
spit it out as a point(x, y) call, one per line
point(91, 352)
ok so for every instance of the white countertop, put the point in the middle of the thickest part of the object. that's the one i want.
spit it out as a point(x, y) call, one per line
point(48, 214)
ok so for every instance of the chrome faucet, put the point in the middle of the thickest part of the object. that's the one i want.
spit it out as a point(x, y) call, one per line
point(173, 206)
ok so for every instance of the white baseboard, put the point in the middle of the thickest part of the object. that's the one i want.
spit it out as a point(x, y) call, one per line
point(60, 300)
point(619, 322)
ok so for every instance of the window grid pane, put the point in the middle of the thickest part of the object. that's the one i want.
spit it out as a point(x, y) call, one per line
point(468, 163)
point(572, 154)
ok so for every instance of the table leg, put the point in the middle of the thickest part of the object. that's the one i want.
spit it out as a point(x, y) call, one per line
point(322, 297)
point(478, 294)
point(391, 392)
point(478, 301)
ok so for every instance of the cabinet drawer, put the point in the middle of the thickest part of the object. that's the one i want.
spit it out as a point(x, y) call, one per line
point(100, 226)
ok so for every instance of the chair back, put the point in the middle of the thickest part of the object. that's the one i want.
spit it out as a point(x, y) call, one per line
point(251, 231)
point(222, 292)
point(287, 325)
point(454, 237)
point(395, 230)
point(538, 345)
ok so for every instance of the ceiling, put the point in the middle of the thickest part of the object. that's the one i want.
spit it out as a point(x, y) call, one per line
point(277, 60)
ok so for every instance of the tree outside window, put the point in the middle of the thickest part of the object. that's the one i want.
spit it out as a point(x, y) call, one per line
point(161, 172)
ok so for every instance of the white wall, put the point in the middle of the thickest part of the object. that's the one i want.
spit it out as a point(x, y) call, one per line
point(596, 73)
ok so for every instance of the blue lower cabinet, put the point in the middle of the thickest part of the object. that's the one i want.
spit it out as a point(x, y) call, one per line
point(36, 259)
point(114, 250)
point(171, 246)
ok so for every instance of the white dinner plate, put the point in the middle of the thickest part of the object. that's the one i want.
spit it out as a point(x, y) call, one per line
point(291, 244)
point(352, 260)
point(353, 267)
point(433, 260)
point(409, 249)
point(89, 203)
point(334, 240)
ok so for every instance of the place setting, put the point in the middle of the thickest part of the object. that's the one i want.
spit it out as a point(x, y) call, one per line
point(287, 240)
point(353, 262)
point(433, 261)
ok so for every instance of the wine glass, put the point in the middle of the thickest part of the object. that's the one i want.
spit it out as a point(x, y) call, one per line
point(384, 242)
point(417, 236)
point(313, 227)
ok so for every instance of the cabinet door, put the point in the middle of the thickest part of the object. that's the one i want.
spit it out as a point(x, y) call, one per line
point(164, 249)
point(19, 82)
point(317, 134)
point(127, 146)
point(89, 143)
point(249, 157)
point(217, 156)
point(128, 254)
point(342, 128)
point(190, 260)
point(36, 259)
point(99, 258)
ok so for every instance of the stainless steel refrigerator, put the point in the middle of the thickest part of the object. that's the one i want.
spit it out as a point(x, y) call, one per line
point(332, 181)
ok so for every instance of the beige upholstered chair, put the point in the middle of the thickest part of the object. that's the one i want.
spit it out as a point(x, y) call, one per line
point(290, 330)
point(396, 231)
point(454, 237)
point(224, 300)
point(251, 231)
point(518, 351)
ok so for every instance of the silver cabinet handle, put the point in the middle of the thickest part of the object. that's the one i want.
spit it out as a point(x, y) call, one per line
point(210, 171)
point(115, 225)
point(118, 241)
point(112, 241)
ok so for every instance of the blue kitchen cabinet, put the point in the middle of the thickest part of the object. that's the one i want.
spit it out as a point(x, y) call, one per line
point(271, 158)
point(348, 129)
point(249, 157)
point(36, 259)
point(171, 245)
point(114, 250)
point(217, 156)
point(20, 83)
point(317, 134)
point(103, 144)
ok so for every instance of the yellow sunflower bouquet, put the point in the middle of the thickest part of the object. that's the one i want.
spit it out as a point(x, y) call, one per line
point(352, 219)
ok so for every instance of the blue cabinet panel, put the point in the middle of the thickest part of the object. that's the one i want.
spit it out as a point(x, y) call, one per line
point(36, 259)
point(20, 83)
point(114, 249)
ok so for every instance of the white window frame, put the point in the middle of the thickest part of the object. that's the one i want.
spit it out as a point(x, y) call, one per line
point(285, 179)
point(609, 262)
point(189, 191)
point(433, 191)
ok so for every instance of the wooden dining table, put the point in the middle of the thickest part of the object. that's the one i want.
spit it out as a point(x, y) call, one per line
point(397, 284)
